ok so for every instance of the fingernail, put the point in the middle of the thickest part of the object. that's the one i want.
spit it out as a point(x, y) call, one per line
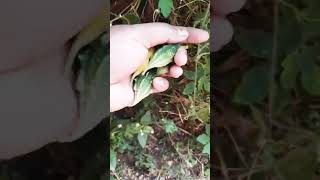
point(183, 33)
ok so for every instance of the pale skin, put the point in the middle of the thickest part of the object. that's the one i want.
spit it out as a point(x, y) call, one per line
point(38, 105)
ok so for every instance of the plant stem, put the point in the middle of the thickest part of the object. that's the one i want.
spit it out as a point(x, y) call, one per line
point(274, 63)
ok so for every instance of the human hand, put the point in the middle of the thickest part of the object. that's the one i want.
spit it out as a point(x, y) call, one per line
point(221, 28)
point(129, 46)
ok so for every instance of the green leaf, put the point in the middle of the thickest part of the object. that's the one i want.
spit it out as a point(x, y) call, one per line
point(254, 86)
point(267, 157)
point(142, 138)
point(142, 86)
point(162, 57)
point(284, 102)
point(290, 72)
point(257, 43)
point(309, 69)
point(288, 39)
point(201, 70)
point(207, 86)
point(258, 118)
point(113, 160)
point(188, 90)
point(131, 18)
point(147, 129)
point(207, 172)
point(311, 80)
point(204, 83)
point(208, 129)
point(204, 114)
point(169, 126)
point(202, 19)
point(146, 118)
point(189, 74)
point(303, 62)
point(299, 164)
point(165, 7)
point(203, 139)
point(206, 149)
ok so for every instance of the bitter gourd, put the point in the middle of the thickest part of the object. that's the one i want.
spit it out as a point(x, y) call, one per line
point(153, 66)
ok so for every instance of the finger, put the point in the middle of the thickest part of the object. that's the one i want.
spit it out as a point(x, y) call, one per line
point(181, 57)
point(196, 36)
point(152, 34)
point(222, 32)
point(224, 7)
point(175, 71)
point(121, 95)
point(160, 84)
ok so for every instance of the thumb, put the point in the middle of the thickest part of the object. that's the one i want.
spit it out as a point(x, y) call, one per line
point(152, 34)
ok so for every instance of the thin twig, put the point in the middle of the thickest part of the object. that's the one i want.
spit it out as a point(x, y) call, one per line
point(224, 169)
point(186, 132)
point(252, 170)
point(274, 63)
point(237, 148)
point(115, 174)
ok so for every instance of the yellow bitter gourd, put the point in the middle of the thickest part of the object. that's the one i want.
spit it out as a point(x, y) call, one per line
point(143, 81)
point(162, 57)
point(143, 86)
point(144, 65)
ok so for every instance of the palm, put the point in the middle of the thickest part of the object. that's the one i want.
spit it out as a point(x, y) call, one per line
point(129, 49)
point(128, 55)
